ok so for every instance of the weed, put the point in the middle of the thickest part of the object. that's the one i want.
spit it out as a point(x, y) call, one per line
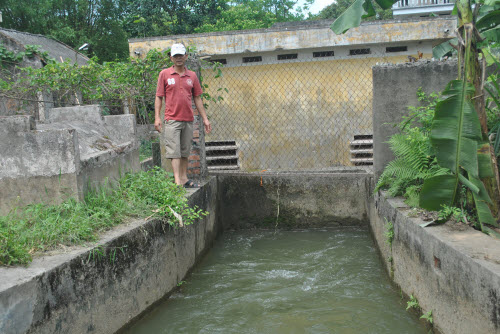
point(448, 212)
point(427, 316)
point(96, 254)
point(180, 283)
point(389, 233)
point(412, 303)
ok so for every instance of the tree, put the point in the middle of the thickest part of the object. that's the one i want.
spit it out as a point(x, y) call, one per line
point(334, 10)
point(73, 22)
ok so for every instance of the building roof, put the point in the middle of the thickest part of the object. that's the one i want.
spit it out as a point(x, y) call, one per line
point(56, 49)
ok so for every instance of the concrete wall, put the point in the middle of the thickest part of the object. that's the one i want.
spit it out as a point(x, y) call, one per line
point(74, 149)
point(301, 113)
point(36, 166)
point(294, 115)
point(394, 90)
point(302, 37)
point(452, 270)
point(293, 200)
point(80, 291)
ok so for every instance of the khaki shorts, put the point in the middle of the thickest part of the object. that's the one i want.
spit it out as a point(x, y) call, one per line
point(178, 136)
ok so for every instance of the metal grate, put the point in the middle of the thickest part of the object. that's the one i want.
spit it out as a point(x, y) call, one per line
point(222, 155)
point(396, 49)
point(323, 54)
point(362, 150)
point(288, 56)
point(252, 59)
point(355, 52)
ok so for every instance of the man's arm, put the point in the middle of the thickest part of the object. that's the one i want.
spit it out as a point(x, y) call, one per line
point(201, 109)
point(158, 103)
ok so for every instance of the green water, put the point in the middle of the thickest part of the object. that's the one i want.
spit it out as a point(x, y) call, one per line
point(314, 281)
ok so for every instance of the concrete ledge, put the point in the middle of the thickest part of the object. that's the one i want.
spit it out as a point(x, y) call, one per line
point(87, 113)
point(100, 289)
point(453, 272)
point(303, 199)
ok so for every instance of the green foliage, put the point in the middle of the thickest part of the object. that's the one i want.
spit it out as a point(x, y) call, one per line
point(415, 160)
point(359, 9)
point(252, 15)
point(448, 212)
point(108, 83)
point(40, 227)
point(428, 316)
point(389, 233)
point(107, 24)
point(493, 107)
point(457, 139)
point(73, 22)
point(334, 10)
point(412, 303)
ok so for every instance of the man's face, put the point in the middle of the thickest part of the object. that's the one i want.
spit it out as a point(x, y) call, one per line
point(179, 60)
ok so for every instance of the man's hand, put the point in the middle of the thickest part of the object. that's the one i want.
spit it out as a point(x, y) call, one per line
point(208, 126)
point(158, 125)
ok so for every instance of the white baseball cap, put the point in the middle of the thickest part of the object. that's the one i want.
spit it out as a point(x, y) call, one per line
point(177, 49)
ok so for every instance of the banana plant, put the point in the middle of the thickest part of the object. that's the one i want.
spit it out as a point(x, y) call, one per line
point(459, 133)
point(458, 143)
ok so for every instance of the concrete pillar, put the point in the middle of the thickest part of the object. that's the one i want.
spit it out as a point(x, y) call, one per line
point(394, 90)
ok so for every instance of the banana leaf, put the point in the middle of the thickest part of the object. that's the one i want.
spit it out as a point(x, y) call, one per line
point(441, 49)
point(438, 191)
point(456, 130)
point(360, 9)
point(457, 140)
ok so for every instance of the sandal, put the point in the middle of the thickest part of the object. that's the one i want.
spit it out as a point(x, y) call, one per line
point(191, 184)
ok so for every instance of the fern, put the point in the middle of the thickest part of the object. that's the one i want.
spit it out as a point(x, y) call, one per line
point(415, 161)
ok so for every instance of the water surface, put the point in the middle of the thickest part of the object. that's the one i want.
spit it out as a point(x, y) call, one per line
point(311, 281)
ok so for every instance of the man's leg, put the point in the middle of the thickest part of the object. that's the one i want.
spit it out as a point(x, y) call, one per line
point(176, 167)
point(179, 167)
point(183, 170)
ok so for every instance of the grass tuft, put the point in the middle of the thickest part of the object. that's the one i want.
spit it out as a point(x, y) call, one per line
point(41, 227)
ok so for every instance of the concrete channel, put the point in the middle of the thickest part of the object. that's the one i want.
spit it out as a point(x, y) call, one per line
point(453, 272)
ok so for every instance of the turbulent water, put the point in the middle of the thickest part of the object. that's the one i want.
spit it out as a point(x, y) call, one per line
point(311, 281)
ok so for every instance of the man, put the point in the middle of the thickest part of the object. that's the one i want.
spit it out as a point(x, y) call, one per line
point(177, 85)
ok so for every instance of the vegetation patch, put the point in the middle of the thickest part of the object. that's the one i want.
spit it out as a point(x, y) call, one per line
point(41, 227)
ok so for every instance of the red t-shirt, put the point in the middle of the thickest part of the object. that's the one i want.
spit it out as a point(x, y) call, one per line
point(178, 91)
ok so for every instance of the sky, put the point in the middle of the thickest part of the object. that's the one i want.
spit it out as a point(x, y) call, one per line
point(318, 5)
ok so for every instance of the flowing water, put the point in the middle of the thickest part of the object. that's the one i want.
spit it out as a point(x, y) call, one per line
point(310, 281)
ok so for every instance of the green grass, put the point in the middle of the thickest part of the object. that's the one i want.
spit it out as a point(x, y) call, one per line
point(41, 227)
